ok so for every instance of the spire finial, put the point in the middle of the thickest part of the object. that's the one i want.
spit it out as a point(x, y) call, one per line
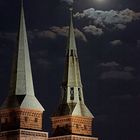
point(71, 9)
point(71, 12)
point(21, 3)
point(71, 42)
point(71, 15)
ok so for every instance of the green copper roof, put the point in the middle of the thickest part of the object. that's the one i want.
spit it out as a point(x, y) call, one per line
point(21, 80)
point(72, 102)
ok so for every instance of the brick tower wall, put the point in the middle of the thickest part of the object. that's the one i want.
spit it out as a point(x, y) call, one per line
point(11, 119)
point(72, 137)
point(72, 125)
point(22, 134)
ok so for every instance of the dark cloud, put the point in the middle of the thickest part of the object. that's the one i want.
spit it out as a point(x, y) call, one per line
point(8, 36)
point(109, 64)
point(129, 69)
point(91, 29)
point(40, 59)
point(118, 19)
point(70, 2)
point(113, 70)
point(43, 63)
point(114, 74)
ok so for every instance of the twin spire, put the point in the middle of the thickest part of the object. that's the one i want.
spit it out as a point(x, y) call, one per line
point(72, 102)
point(72, 117)
point(22, 91)
point(21, 88)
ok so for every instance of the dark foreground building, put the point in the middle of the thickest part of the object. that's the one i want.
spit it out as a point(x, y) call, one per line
point(21, 112)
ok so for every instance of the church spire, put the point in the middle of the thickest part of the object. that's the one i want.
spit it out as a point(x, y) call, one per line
point(24, 74)
point(72, 115)
point(72, 91)
point(21, 110)
point(21, 88)
point(72, 42)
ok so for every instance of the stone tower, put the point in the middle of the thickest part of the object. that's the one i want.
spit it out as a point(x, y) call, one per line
point(72, 120)
point(21, 113)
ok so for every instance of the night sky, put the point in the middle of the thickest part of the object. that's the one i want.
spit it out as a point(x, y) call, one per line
point(108, 42)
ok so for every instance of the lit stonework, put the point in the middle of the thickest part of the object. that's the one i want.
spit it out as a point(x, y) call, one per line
point(72, 120)
point(20, 118)
point(73, 124)
point(72, 137)
point(22, 134)
point(21, 113)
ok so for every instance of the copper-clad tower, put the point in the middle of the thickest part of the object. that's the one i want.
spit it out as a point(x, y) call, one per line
point(72, 120)
point(21, 112)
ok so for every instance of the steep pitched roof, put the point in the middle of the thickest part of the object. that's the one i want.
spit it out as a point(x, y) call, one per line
point(72, 102)
point(21, 88)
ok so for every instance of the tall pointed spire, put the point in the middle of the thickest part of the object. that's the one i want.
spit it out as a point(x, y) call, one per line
point(72, 93)
point(71, 42)
point(72, 115)
point(21, 88)
point(21, 112)
point(24, 83)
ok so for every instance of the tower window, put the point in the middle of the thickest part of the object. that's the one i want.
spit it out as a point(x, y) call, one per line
point(36, 119)
point(85, 127)
point(4, 120)
point(26, 119)
point(79, 93)
point(66, 125)
point(71, 53)
point(77, 126)
point(72, 93)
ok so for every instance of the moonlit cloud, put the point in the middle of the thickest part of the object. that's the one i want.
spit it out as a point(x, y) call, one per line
point(91, 29)
point(54, 32)
point(68, 1)
point(118, 19)
point(109, 64)
point(120, 26)
point(46, 34)
point(116, 42)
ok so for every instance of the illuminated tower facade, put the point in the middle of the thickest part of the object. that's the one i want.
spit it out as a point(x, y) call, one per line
point(72, 120)
point(21, 113)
